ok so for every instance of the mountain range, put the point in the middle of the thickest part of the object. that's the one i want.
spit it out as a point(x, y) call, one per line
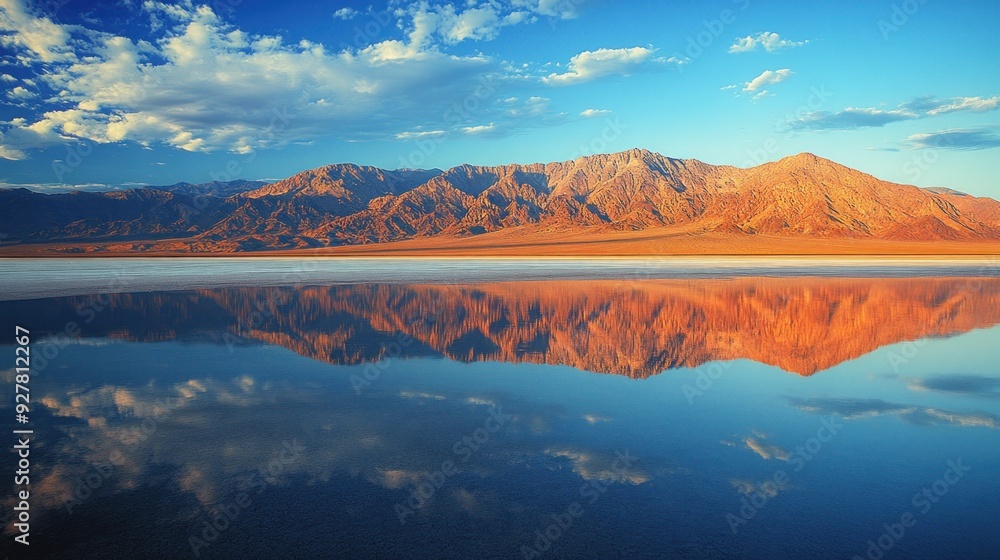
point(608, 196)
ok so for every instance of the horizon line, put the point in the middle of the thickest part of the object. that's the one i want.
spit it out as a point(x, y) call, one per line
point(68, 188)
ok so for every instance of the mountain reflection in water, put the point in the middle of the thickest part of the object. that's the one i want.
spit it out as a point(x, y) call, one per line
point(636, 329)
point(454, 421)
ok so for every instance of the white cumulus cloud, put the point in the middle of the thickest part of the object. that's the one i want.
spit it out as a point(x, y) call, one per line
point(346, 13)
point(20, 93)
point(591, 65)
point(767, 40)
point(480, 129)
point(198, 83)
point(38, 38)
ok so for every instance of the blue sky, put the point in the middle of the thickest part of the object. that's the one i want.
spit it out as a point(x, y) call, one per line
point(129, 92)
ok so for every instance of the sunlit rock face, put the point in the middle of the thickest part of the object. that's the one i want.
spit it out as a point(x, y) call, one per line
point(802, 196)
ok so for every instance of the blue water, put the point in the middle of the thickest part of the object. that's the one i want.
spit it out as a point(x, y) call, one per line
point(153, 423)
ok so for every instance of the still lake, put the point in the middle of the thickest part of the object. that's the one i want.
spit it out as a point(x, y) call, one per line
point(572, 409)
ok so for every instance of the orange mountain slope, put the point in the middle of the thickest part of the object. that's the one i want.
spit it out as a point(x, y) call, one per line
point(611, 199)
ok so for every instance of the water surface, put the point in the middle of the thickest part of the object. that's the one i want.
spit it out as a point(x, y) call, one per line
point(727, 416)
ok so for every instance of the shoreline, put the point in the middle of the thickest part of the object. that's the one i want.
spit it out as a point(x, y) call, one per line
point(55, 277)
point(872, 258)
point(665, 243)
point(497, 255)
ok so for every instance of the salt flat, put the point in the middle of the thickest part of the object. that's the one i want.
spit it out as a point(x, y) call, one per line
point(38, 278)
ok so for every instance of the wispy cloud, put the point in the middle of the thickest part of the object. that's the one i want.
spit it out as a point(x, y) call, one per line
point(554, 8)
point(20, 93)
point(591, 65)
point(955, 139)
point(346, 13)
point(592, 113)
point(416, 135)
point(33, 38)
point(9, 152)
point(56, 188)
point(595, 418)
point(850, 118)
point(757, 86)
point(974, 385)
point(852, 408)
point(867, 117)
point(976, 104)
point(422, 395)
point(513, 116)
point(767, 40)
point(480, 129)
point(598, 465)
point(749, 487)
point(765, 450)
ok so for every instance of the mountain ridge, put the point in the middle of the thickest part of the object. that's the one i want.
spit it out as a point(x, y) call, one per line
point(803, 196)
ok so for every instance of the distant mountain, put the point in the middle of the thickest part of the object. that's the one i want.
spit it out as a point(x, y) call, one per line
point(802, 196)
point(149, 213)
point(280, 215)
point(213, 188)
point(945, 190)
